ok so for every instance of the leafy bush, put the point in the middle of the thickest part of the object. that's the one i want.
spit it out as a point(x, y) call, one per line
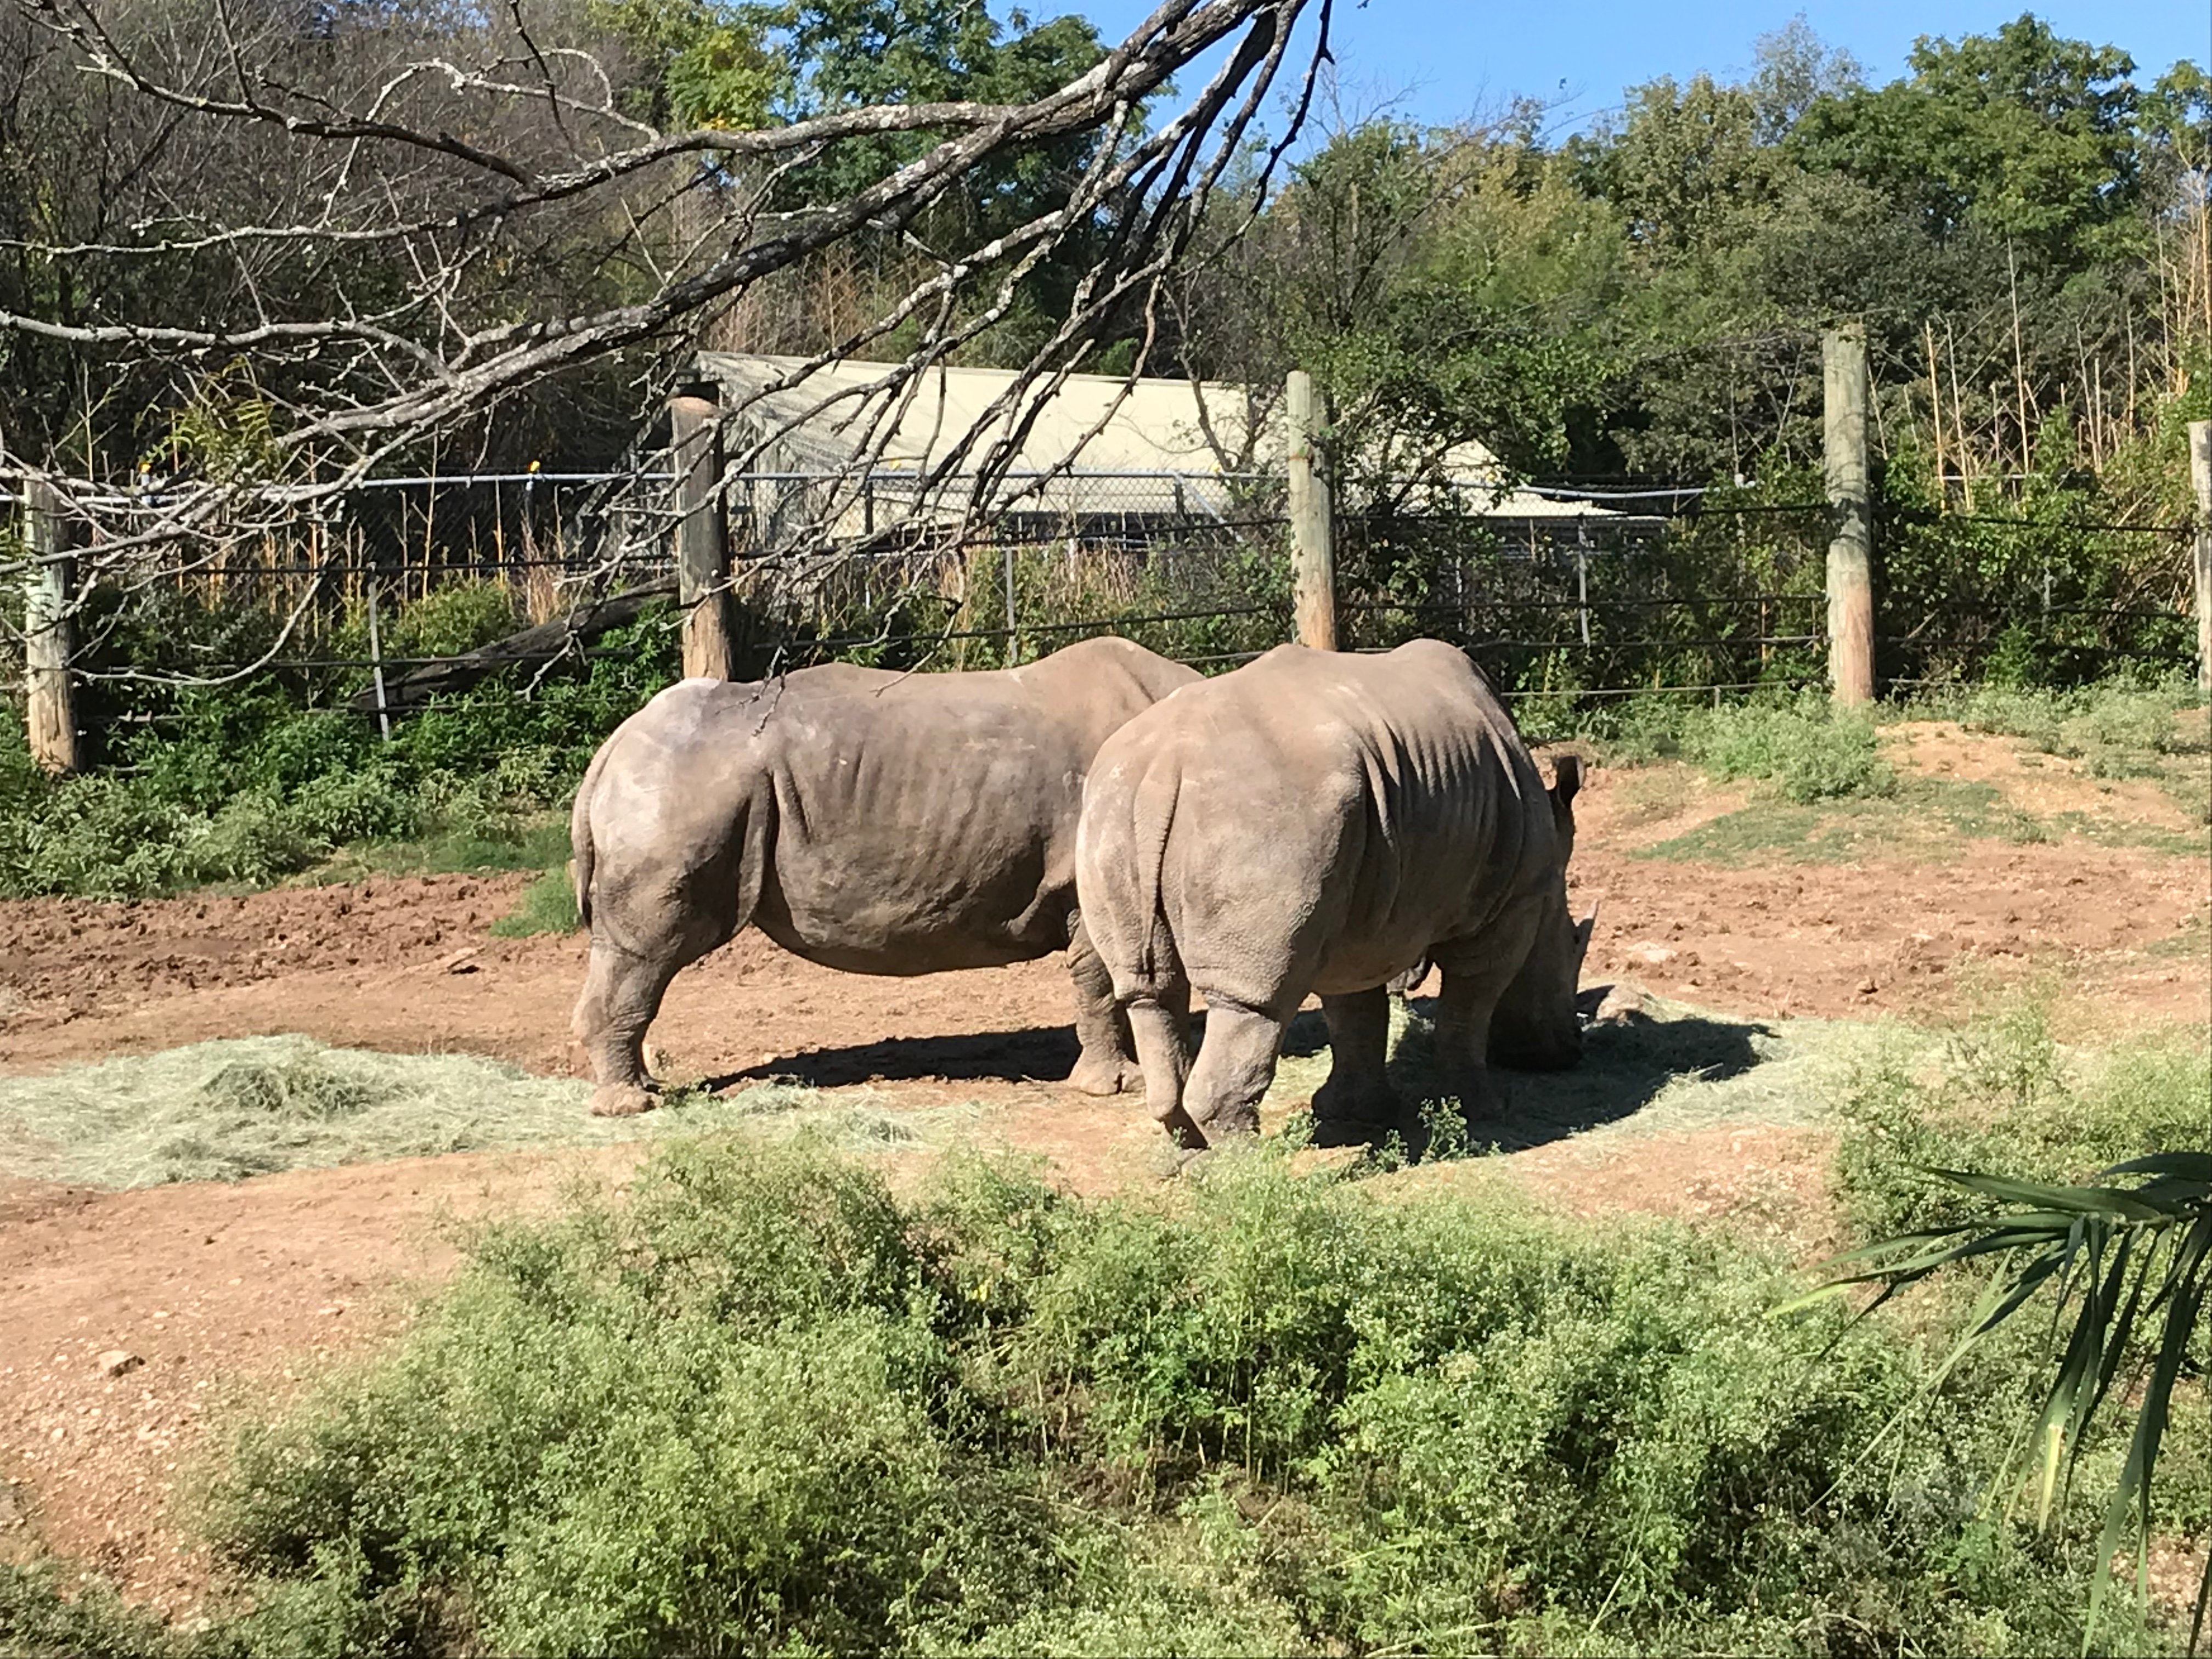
point(1806, 748)
point(760, 1402)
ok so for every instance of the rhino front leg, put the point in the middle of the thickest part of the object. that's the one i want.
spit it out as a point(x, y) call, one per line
point(1356, 1105)
point(1473, 983)
point(1107, 1065)
point(622, 995)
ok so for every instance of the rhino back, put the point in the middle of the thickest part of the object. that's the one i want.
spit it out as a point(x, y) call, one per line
point(927, 821)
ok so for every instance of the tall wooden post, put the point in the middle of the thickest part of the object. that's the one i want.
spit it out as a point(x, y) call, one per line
point(2200, 476)
point(1850, 544)
point(50, 700)
point(703, 542)
point(1313, 545)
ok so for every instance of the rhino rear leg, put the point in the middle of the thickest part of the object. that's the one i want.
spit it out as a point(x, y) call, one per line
point(1160, 1026)
point(1356, 1105)
point(1108, 1063)
point(1236, 1063)
point(622, 993)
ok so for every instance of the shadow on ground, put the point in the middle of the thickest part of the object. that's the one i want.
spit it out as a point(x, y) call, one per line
point(1043, 1054)
point(1629, 1060)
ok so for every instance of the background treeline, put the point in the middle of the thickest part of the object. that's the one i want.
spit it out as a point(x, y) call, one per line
point(2019, 217)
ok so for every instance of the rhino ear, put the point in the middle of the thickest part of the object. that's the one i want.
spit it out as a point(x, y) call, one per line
point(1566, 778)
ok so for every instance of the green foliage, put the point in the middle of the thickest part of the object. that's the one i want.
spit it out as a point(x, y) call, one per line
point(1807, 749)
point(246, 784)
point(2023, 134)
point(1813, 752)
point(2116, 730)
point(2131, 1262)
point(761, 1402)
point(39, 1620)
point(548, 905)
point(2003, 1097)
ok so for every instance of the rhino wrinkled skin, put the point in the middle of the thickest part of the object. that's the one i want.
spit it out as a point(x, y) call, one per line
point(869, 821)
point(1322, 822)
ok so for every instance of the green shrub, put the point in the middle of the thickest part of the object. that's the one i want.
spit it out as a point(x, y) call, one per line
point(1809, 750)
point(248, 784)
point(1806, 748)
point(761, 1403)
point(2002, 1097)
point(40, 1620)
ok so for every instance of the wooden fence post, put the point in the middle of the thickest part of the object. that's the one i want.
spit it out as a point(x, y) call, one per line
point(703, 542)
point(2200, 477)
point(1850, 544)
point(1313, 547)
point(50, 700)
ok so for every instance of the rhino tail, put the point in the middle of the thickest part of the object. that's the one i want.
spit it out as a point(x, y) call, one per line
point(1151, 822)
point(582, 857)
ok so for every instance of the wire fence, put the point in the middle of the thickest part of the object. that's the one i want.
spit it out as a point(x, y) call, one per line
point(1563, 592)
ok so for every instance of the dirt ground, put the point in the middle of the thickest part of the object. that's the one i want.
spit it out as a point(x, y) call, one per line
point(219, 1289)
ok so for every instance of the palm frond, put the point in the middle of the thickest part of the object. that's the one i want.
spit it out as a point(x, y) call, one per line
point(2122, 1258)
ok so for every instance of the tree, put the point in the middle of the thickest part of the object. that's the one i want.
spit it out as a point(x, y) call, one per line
point(398, 221)
point(2021, 135)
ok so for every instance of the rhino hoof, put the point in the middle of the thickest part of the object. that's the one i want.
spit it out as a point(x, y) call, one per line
point(1105, 1076)
point(621, 1100)
point(1183, 1132)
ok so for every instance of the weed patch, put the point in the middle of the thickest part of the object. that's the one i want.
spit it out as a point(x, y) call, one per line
point(548, 905)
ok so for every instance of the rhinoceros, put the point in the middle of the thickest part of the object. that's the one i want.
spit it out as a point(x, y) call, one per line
point(1322, 822)
point(875, 822)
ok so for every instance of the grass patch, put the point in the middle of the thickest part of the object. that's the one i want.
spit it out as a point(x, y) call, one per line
point(238, 1107)
point(548, 905)
point(1917, 815)
point(760, 1402)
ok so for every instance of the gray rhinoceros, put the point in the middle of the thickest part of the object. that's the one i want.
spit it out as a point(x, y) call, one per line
point(874, 821)
point(1320, 822)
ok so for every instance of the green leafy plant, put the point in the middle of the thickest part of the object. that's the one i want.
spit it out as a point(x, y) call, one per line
point(2124, 1259)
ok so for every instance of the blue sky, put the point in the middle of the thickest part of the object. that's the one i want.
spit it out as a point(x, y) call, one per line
point(1441, 60)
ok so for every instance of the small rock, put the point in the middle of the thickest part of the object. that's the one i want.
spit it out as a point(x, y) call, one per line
point(1621, 1001)
point(1867, 988)
point(459, 961)
point(1657, 956)
point(116, 1362)
point(330, 1312)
